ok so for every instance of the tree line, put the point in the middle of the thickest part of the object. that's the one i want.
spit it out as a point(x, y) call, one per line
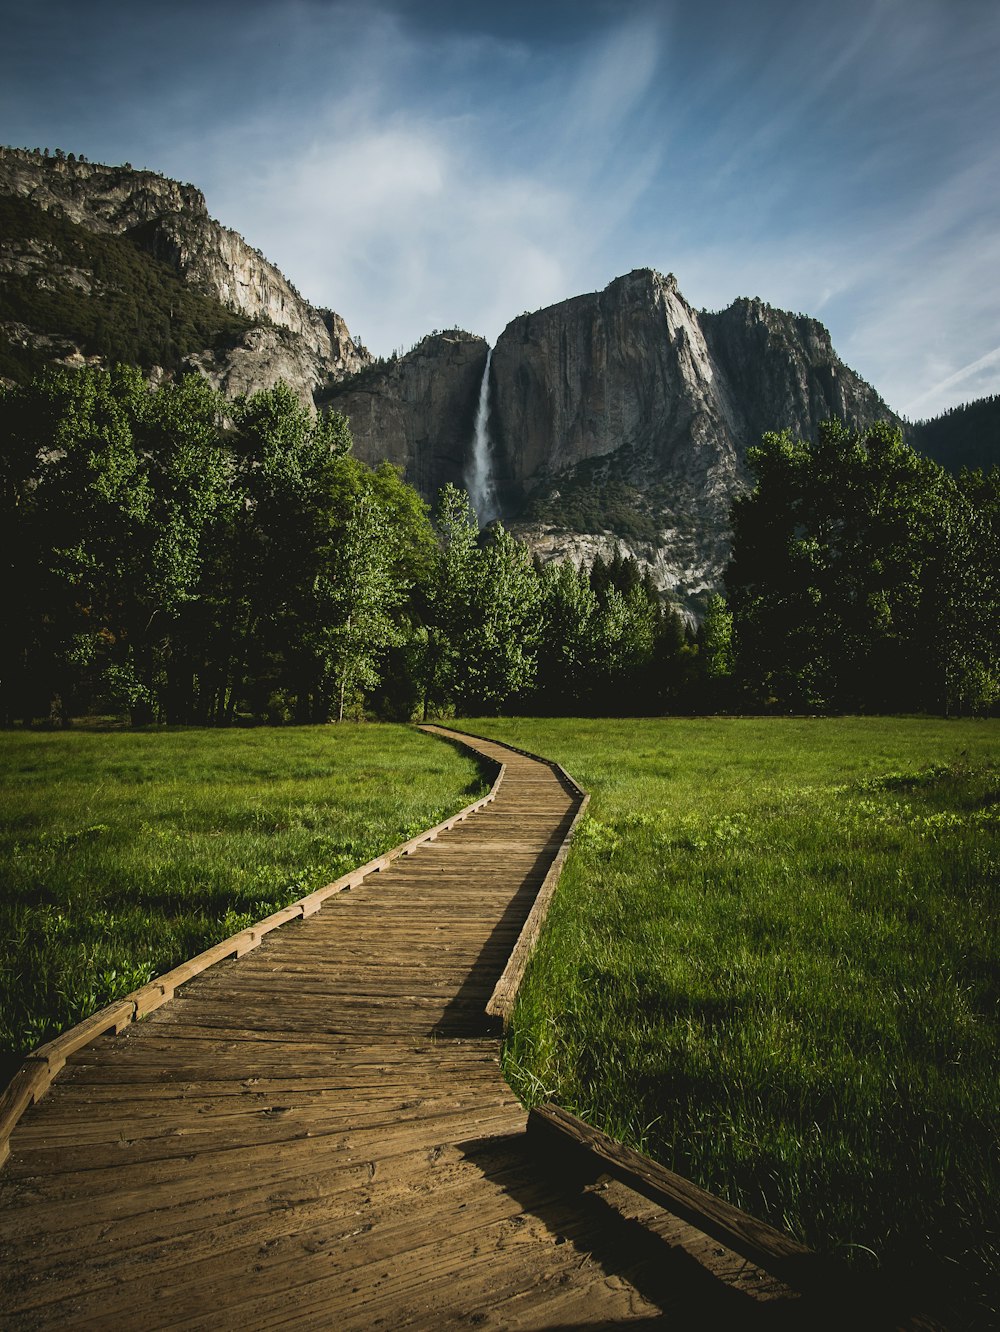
point(175, 557)
point(180, 558)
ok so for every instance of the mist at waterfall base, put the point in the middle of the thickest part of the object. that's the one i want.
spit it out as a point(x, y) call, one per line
point(479, 469)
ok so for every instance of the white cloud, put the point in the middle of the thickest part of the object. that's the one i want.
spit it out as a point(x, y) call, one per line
point(419, 176)
point(406, 213)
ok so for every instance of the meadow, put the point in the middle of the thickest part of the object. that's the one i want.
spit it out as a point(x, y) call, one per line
point(772, 963)
point(124, 853)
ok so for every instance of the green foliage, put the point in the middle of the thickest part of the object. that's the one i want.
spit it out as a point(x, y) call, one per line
point(482, 609)
point(569, 615)
point(182, 570)
point(587, 498)
point(854, 559)
point(717, 639)
point(772, 963)
point(101, 293)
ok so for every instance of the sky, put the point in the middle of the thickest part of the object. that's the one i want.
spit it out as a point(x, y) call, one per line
point(424, 164)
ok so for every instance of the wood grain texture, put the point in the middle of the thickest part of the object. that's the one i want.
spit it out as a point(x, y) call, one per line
point(318, 1134)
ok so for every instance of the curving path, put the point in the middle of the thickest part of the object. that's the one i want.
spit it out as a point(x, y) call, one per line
point(319, 1135)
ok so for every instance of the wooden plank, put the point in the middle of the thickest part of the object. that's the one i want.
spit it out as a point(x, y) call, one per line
point(556, 1131)
point(501, 1002)
point(113, 1018)
point(29, 1083)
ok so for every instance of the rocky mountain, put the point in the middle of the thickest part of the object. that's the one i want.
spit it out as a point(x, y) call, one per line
point(278, 333)
point(618, 419)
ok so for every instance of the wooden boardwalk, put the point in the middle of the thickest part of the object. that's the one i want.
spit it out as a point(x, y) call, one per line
point(318, 1135)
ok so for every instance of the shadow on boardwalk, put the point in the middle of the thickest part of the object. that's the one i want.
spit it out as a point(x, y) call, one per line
point(611, 1228)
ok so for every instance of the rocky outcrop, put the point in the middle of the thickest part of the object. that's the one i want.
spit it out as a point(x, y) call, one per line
point(624, 367)
point(259, 359)
point(782, 372)
point(170, 221)
point(632, 387)
point(418, 410)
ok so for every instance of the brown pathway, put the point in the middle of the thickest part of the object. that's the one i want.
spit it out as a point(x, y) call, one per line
point(319, 1136)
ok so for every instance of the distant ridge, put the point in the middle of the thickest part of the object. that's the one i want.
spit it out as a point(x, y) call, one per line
point(965, 436)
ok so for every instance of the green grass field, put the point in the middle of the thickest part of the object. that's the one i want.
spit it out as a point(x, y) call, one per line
point(123, 854)
point(773, 964)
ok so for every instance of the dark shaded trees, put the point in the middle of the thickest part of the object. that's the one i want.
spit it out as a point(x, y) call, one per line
point(851, 583)
point(170, 563)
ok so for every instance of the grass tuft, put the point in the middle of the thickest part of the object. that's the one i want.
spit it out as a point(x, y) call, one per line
point(123, 854)
point(773, 963)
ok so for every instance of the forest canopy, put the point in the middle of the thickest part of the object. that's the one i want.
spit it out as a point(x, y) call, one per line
point(176, 557)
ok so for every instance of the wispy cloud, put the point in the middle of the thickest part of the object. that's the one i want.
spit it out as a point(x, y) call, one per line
point(418, 165)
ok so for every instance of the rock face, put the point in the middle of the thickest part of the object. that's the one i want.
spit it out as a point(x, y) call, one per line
point(781, 368)
point(631, 391)
point(619, 419)
point(171, 222)
point(625, 367)
point(634, 367)
point(418, 410)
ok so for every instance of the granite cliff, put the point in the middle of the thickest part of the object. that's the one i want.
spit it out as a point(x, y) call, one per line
point(169, 221)
point(618, 419)
point(418, 410)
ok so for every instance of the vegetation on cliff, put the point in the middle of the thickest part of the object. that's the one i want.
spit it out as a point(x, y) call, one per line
point(99, 293)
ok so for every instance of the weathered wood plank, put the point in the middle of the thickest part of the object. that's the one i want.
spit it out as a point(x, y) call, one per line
point(556, 1132)
point(318, 1134)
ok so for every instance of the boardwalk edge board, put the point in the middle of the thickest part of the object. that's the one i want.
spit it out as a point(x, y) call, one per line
point(36, 1074)
point(501, 1002)
point(558, 1133)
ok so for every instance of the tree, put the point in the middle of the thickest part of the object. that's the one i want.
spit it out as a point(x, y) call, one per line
point(962, 609)
point(623, 636)
point(91, 508)
point(291, 505)
point(109, 486)
point(363, 594)
point(449, 595)
point(499, 657)
point(569, 611)
point(836, 556)
point(482, 612)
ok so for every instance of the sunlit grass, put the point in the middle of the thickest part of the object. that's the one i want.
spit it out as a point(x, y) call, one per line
point(773, 963)
point(123, 854)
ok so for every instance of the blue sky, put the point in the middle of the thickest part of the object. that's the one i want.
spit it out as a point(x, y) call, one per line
point(419, 164)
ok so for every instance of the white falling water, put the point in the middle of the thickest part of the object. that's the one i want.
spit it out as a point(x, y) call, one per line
point(479, 469)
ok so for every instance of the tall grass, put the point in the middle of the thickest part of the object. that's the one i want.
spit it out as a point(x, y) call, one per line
point(773, 963)
point(123, 854)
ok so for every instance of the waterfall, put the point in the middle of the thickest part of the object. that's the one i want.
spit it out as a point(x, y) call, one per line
point(479, 468)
